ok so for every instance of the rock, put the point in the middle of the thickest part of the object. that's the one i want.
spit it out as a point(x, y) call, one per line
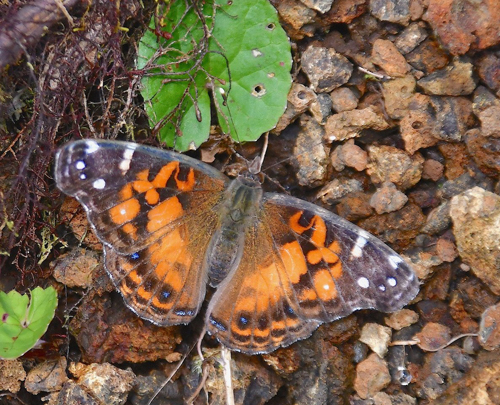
point(355, 206)
point(485, 150)
point(456, 159)
point(396, 11)
point(76, 268)
point(376, 337)
point(319, 5)
point(438, 219)
point(490, 121)
point(343, 99)
point(483, 99)
point(350, 155)
point(401, 319)
point(106, 383)
point(321, 107)
point(433, 170)
point(476, 218)
point(423, 262)
point(411, 37)
point(11, 375)
point(388, 198)
point(297, 17)
point(299, 99)
point(454, 80)
point(478, 386)
point(72, 393)
point(433, 336)
point(325, 68)
point(428, 57)
point(398, 93)
point(338, 188)
point(488, 69)
point(387, 163)
point(349, 124)
point(386, 55)
point(372, 375)
point(48, 376)
point(462, 25)
point(446, 250)
point(489, 328)
point(310, 154)
point(463, 183)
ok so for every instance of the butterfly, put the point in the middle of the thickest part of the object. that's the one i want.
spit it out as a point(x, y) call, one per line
point(171, 225)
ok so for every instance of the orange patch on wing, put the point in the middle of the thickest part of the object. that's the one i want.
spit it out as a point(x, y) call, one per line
point(325, 286)
point(134, 277)
point(319, 234)
point(295, 225)
point(164, 174)
point(126, 192)
point(171, 249)
point(188, 184)
point(152, 196)
point(131, 230)
point(293, 260)
point(125, 212)
point(162, 305)
point(164, 213)
point(336, 270)
point(124, 288)
point(175, 280)
point(335, 247)
point(144, 294)
point(308, 295)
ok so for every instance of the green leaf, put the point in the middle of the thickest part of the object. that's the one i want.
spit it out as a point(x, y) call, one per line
point(22, 323)
point(245, 62)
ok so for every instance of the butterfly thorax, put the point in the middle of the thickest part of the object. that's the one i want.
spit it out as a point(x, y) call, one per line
point(237, 212)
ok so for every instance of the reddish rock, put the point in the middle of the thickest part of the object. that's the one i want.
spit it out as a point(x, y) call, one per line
point(433, 336)
point(489, 329)
point(456, 159)
point(446, 250)
point(398, 94)
point(388, 198)
point(355, 206)
point(411, 37)
point(349, 124)
point(490, 121)
point(372, 375)
point(485, 150)
point(488, 70)
point(299, 99)
point(401, 319)
point(428, 57)
point(464, 25)
point(454, 80)
point(297, 18)
point(433, 170)
point(386, 55)
point(343, 99)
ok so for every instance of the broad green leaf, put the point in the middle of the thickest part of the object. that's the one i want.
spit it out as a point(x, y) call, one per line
point(23, 322)
point(245, 63)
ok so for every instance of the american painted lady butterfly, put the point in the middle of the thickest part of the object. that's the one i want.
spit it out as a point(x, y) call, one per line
point(281, 266)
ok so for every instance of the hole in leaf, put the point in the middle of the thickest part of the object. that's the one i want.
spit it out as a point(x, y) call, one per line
point(270, 26)
point(256, 53)
point(259, 90)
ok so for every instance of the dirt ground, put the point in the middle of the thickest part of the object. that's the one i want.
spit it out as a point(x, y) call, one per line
point(393, 122)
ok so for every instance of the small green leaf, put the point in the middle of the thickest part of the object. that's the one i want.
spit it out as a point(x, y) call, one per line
point(22, 323)
point(245, 63)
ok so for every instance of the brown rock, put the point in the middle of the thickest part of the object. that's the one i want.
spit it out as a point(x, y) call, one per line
point(428, 57)
point(376, 337)
point(355, 206)
point(325, 68)
point(396, 11)
point(343, 99)
point(349, 124)
point(350, 155)
point(446, 250)
point(391, 164)
point(372, 375)
point(386, 55)
point(433, 170)
point(485, 150)
point(456, 159)
point(490, 121)
point(438, 219)
point(388, 198)
point(338, 188)
point(297, 18)
point(462, 25)
point(476, 215)
point(299, 99)
point(398, 94)
point(433, 336)
point(454, 80)
point(489, 329)
point(321, 107)
point(488, 69)
point(76, 268)
point(344, 11)
point(411, 37)
point(401, 319)
point(11, 375)
point(48, 376)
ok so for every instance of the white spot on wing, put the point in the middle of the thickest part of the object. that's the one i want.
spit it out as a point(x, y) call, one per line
point(326, 287)
point(394, 261)
point(99, 184)
point(391, 281)
point(123, 211)
point(127, 157)
point(363, 282)
point(381, 287)
point(83, 176)
point(357, 250)
point(92, 146)
point(80, 164)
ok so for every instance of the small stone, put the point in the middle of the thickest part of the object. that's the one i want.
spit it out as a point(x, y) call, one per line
point(428, 57)
point(476, 218)
point(391, 164)
point(396, 11)
point(446, 250)
point(319, 5)
point(485, 150)
point(401, 319)
point(463, 25)
point(350, 155)
point(463, 183)
point(489, 328)
point(388, 198)
point(377, 337)
point(72, 393)
point(423, 262)
point(433, 170)
point(386, 55)
point(355, 206)
point(433, 336)
point(490, 121)
point(488, 69)
point(398, 93)
point(11, 375)
point(76, 268)
point(454, 80)
point(343, 99)
point(296, 16)
point(349, 124)
point(372, 375)
point(438, 219)
point(321, 107)
point(325, 68)
point(48, 376)
point(107, 383)
point(338, 188)
point(310, 153)
point(483, 99)
point(411, 37)
point(299, 99)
